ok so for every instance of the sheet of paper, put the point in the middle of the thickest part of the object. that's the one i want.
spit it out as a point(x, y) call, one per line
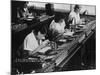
point(43, 50)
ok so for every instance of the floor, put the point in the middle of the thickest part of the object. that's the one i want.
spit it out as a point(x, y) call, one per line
point(89, 58)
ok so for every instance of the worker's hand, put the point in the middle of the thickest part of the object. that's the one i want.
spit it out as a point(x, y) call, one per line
point(40, 47)
point(45, 42)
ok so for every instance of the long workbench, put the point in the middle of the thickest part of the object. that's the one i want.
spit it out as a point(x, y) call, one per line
point(66, 50)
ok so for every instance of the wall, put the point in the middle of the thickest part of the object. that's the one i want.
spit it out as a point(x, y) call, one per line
point(91, 9)
point(66, 7)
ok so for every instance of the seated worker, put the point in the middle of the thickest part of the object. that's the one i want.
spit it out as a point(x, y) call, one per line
point(33, 42)
point(23, 12)
point(74, 16)
point(58, 24)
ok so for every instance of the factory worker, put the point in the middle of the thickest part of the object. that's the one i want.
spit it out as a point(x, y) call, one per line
point(33, 42)
point(75, 16)
point(58, 24)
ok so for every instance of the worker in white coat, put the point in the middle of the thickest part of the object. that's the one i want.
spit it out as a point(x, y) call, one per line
point(58, 24)
point(33, 42)
point(74, 16)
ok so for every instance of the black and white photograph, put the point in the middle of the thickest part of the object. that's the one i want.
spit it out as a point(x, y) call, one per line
point(52, 37)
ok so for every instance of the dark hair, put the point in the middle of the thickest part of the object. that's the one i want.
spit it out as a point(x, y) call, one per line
point(76, 7)
point(37, 30)
point(58, 17)
point(49, 8)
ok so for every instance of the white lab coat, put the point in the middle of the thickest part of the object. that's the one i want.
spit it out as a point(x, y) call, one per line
point(30, 42)
point(59, 27)
point(75, 16)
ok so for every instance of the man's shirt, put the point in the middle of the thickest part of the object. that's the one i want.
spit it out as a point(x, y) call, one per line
point(74, 16)
point(30, 42)
point(59, 27)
